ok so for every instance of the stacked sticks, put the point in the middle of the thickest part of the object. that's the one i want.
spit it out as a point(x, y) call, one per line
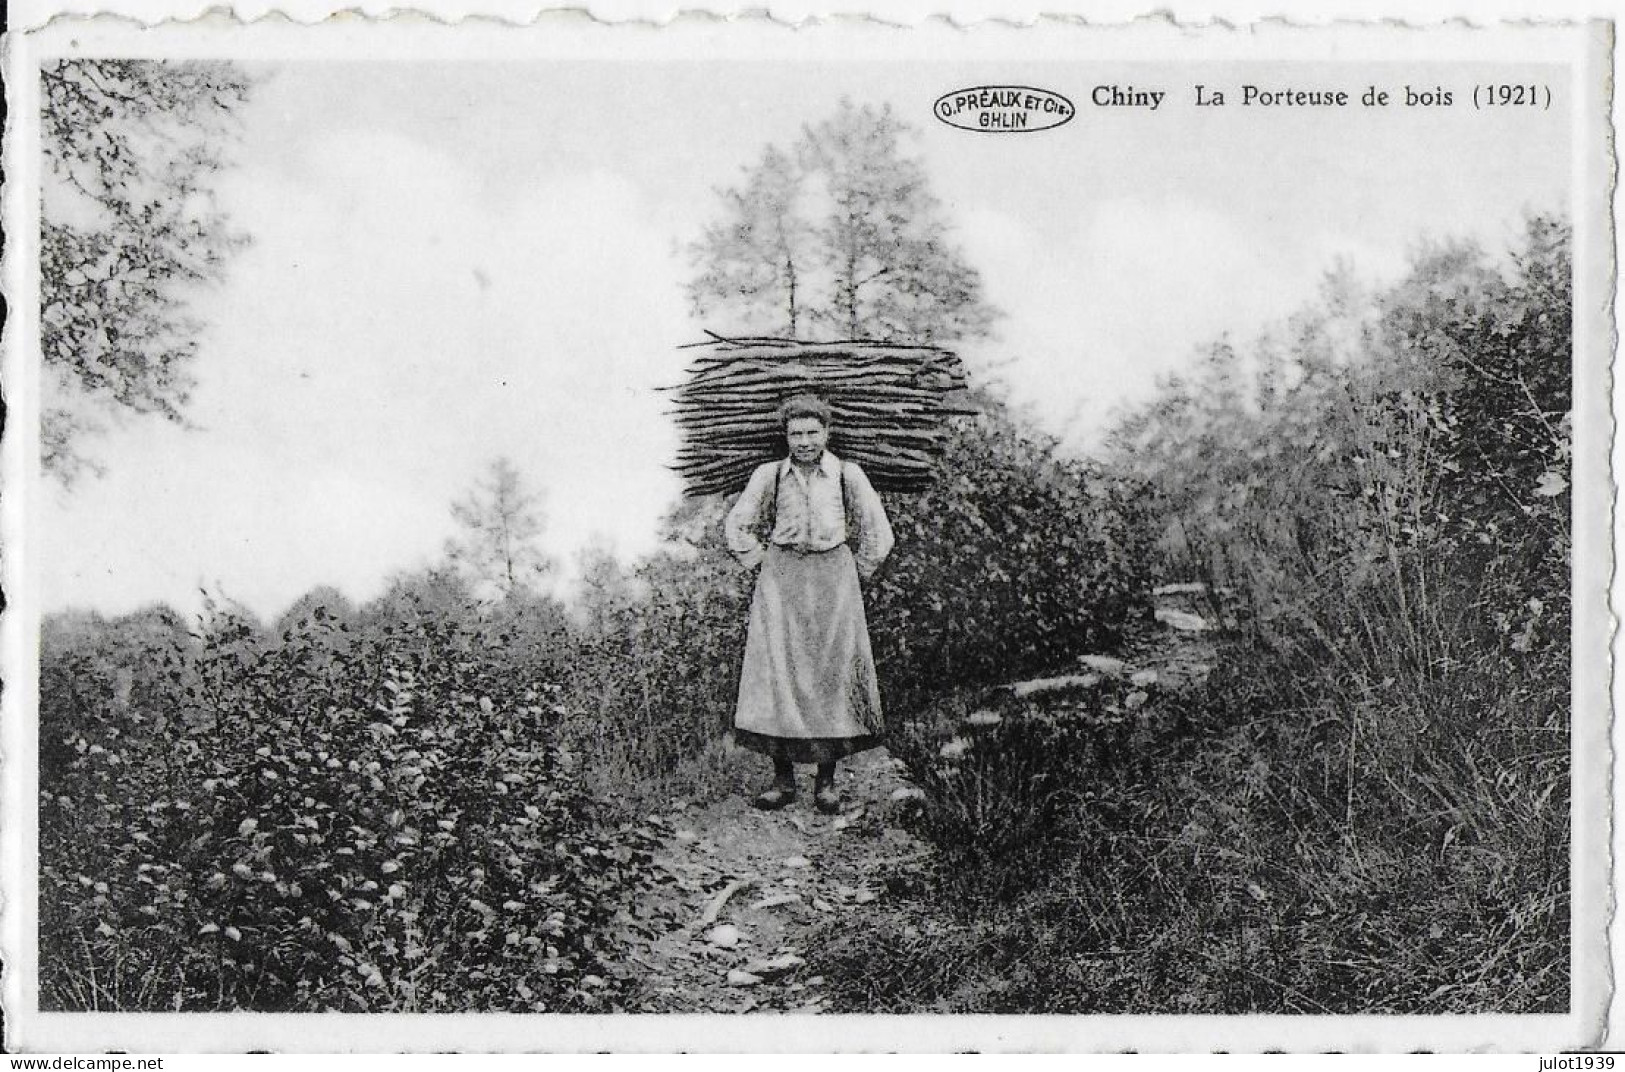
point(889, 404)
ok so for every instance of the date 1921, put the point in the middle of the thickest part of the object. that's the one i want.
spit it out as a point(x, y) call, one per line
point(1512, 95)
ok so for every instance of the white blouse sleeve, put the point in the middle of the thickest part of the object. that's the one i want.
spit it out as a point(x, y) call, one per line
point(875, 538)
point(740, 526)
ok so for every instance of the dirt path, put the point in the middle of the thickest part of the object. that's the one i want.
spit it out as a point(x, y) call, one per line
point(749, 886)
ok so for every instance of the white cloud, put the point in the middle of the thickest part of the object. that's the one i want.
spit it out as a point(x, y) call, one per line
point(388, 333)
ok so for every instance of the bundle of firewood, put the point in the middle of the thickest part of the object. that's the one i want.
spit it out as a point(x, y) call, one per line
point(889, 406)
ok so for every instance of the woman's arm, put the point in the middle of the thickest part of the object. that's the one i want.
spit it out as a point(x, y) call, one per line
point(740, 526)
point(875, 538)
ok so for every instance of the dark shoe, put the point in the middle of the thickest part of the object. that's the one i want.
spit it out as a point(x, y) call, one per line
point(775, 798)
point(827, 800)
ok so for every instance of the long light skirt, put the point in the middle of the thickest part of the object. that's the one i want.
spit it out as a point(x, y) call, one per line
point(807, 691)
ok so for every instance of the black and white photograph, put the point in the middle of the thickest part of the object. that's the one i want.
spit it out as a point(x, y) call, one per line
point(726, 535)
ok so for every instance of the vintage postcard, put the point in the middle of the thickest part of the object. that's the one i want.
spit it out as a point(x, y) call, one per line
point(734, 535)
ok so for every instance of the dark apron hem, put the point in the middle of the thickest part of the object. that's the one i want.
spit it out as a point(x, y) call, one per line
point(805, 749)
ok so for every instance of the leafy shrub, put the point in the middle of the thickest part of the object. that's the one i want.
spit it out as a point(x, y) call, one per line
point(657, 669)
point(531, 628)
point(332, 819)
point(1014, 560)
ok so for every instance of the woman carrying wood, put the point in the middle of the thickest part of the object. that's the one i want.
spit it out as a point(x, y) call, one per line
point(807, 691)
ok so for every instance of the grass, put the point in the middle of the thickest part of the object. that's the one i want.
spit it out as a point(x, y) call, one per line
point(719, 770)
point(1242, 857)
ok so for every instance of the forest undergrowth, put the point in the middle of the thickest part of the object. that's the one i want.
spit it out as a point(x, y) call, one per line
point(1265, 709)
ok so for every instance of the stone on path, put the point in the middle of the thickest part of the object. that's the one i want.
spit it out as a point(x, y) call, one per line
point(907, 792)
point(797, 861)
point(723, 936)
point(1104, 664)
point(775, 966)
point(1144, 678)
point(777, 900)
point(1181, 620)
point(714, 909)
point(738, 977)
point(1188, 588)
point(1038, 686)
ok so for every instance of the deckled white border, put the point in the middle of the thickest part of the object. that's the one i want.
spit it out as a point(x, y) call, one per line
point(30, 14)
point(237, 1032)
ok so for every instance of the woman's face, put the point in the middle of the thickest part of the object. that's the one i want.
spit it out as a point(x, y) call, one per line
point(808, 437)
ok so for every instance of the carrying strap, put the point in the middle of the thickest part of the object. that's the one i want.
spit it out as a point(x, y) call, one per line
point(773, 503)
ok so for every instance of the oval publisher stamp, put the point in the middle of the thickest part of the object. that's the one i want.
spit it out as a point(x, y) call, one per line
point(1003, 109)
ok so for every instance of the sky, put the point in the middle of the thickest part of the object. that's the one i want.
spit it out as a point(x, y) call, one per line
point(456, 261)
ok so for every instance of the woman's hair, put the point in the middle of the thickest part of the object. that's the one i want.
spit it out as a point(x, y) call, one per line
point(804, 405)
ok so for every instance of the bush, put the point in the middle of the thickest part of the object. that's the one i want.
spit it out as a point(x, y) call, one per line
point(1016, 559)
point(657, 667)
point(332, 819)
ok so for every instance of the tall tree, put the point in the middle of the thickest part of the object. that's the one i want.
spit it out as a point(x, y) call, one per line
point(839, 236)
point(883, 239)
point(130, 226)
point(501, 521)
point(749, 262)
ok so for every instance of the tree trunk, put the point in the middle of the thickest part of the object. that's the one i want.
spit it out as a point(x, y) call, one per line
point(851, 288)
point(790, 277)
